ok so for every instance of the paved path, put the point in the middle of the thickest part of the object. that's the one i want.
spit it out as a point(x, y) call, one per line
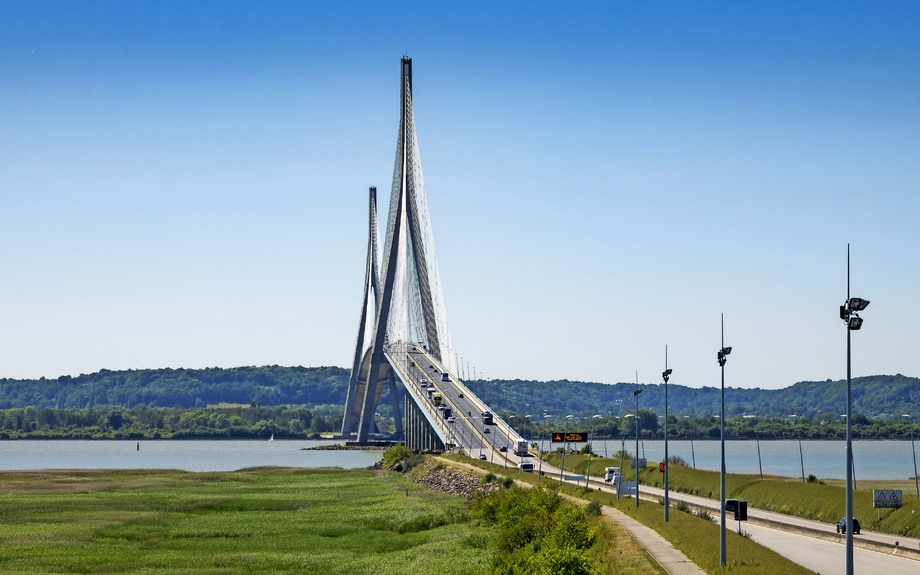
point(672, 560)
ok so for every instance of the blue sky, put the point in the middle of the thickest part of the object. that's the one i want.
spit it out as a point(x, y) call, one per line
point(185, 186)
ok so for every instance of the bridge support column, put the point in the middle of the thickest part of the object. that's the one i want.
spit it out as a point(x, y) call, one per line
point(419, 434)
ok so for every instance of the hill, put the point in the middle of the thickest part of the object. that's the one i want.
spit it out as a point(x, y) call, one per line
point(875, 396)
point(266, 385)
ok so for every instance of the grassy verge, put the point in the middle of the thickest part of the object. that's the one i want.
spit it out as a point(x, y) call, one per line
point(696, 537)
point(824, 501)
point(253, 521)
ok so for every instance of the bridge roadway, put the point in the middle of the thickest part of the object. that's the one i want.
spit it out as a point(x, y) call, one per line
point(467, 430)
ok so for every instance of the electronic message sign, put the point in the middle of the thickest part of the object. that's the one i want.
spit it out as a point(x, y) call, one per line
point(572, 436)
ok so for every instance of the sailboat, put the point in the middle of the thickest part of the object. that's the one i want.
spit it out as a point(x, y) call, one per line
point(272, 438)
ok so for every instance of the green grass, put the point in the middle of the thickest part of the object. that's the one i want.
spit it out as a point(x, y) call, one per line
point(253, 521)
point(697, 538)
point(785, 495)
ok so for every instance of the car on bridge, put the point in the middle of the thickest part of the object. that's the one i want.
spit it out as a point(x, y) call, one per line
point(460, 395)
point(451, 419)
point(842, 526)
point(486, 430)
point(503, 449)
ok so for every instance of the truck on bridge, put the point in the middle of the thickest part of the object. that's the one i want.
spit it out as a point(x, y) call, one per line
point(436, 399)
point(520, 447)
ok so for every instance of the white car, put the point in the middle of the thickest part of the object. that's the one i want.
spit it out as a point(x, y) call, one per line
point(451, 419)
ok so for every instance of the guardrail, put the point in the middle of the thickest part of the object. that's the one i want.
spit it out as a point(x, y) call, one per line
point(403, 351)
point(430, 411)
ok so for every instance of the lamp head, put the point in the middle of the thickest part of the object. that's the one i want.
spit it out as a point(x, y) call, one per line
point(854, 323)
point(666, 374)
point(637, 392)
point(857, 304)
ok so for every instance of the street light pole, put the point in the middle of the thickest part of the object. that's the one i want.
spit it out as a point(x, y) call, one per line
point(636, 393)
point(914, 450)
point(722, 356)
point(692, 450)
point(565, 435)
point(667, 464)
point(849, 314)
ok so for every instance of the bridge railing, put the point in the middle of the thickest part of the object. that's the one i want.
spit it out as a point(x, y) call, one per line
point(403, 352)
point(397, 355)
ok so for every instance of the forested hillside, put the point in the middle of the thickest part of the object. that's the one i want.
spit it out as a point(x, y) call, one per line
point(266, 385)
point(877, 396)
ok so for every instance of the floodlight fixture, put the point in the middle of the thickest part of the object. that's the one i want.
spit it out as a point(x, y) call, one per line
point(855, 322)
point(857, 304)
point(666, 374)
point(637, 392)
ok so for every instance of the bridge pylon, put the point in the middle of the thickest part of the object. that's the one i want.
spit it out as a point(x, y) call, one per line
point(403, 303)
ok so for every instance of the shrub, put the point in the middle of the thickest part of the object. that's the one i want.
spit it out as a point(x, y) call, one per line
point(703, 514)
point(678, 460)
point(395, 454)
point(593, 509)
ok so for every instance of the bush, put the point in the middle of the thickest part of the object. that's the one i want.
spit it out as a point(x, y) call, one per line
point(395, 454)
point(593, 509)
point(681, 505)
point(586, 449)
point(678, 460)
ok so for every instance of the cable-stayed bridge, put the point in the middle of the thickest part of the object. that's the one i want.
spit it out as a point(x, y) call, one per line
point(403, 332)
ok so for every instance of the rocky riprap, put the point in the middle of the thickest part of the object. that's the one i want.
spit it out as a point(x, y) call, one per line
point(450, 480)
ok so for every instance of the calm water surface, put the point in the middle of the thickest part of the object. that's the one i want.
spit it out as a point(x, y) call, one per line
point(188, 455)
point(824, 459)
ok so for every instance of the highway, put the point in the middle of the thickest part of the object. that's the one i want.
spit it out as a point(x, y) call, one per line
point(823, 555)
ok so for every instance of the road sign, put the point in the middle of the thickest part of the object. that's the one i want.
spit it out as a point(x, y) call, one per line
point(572, 436)
point(642, 463)
point(886, 498)
point(626, 488)
point(661, 467)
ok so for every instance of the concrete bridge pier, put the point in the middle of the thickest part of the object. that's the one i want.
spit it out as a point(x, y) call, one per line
point(419, 434)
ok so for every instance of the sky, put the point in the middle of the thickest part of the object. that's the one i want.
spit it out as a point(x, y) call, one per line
point(185, 184)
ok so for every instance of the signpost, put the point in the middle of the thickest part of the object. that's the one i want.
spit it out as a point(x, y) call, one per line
point(570, 437)
point(886, 498)
point(626, 488)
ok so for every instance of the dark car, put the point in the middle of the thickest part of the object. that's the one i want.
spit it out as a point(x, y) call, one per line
point(503, 448)
point(482, 456)
point(842, 526)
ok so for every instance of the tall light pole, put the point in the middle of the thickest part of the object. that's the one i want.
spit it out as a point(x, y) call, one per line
point(722, 357)
point(914, 450)
point(636, 394)
point(667, 465)
point(798, 432)
point(759, 461)
point(849, 314)
point(692, 450)
point(565, 435)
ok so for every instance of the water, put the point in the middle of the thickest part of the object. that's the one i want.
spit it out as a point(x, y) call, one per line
point(191, 455)
point(824, 459)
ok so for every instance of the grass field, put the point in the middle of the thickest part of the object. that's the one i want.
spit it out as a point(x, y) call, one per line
point(252, 521)
point(821, 502)
point(697, 538)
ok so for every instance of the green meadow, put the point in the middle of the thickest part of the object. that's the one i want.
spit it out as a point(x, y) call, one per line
point(250, 521)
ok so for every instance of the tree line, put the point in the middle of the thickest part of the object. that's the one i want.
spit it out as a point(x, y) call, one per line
point(168, 422)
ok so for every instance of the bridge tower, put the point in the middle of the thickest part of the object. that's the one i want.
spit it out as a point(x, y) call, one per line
point(408, 305)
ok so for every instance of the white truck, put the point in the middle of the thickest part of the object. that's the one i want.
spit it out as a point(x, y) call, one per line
point(520, 447)
point(612, 475)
